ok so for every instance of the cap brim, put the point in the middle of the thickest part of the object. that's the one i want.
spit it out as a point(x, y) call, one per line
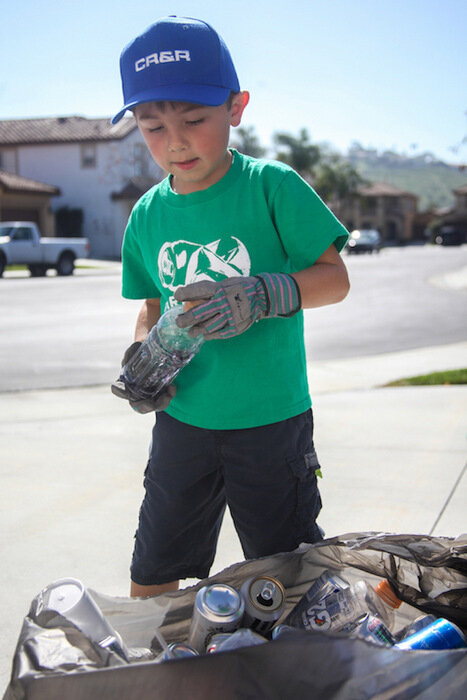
point(210, 95)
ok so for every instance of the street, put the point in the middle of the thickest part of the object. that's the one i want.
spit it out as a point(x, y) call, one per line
point(72, 331)
point(401, 299)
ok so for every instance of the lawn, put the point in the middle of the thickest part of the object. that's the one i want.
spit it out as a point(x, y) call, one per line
point(452, 376)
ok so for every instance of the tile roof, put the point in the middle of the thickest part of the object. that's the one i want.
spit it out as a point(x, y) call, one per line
point(14, 132)
point(14, 183)
point(383, 189)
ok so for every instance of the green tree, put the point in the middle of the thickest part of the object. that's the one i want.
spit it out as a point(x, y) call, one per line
point(336, 178)
point(300, 153)
point(248, 143)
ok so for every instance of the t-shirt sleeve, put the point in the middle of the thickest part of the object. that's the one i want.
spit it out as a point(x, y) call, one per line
point(137, 282)
point(305, 224)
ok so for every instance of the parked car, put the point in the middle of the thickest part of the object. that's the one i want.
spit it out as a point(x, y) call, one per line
point(364, 241)
point(449, 235)
point(21, 244)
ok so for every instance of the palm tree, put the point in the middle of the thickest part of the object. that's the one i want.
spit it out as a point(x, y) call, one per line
point(301, 154)
point(336, 178)
point(248, 142)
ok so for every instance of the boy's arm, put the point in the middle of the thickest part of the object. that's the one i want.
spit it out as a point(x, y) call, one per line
point(148, 316)
point(231, 306)
point(325, 282)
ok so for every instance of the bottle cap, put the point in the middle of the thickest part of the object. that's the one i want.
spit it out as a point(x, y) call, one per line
point(385, 592)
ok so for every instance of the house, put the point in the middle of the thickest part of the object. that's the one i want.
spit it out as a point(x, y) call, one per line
point(23, 199)
point(456, 217)
point(383, 207)
point(95, 167)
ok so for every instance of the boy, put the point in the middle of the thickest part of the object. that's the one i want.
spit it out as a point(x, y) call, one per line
point(247, 241)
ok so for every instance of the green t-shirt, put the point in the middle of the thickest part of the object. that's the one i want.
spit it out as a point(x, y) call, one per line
point(260, 217)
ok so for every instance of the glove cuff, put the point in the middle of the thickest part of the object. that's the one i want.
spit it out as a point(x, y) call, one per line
point(282, 294)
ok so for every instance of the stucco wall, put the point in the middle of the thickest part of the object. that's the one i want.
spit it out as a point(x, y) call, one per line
point(88, 188)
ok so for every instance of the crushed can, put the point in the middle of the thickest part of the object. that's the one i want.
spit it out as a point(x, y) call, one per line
point(218, 608)
point(371, 628)
point(321, 588)
point(264, 599)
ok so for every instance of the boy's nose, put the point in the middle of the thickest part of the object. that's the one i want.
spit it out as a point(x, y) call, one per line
point(176, 142)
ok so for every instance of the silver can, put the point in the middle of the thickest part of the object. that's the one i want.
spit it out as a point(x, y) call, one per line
point(371, 628)
point(279, 630)
point(264, 599)
point(218, 608)
point(216, 640)
point(176, 651)
point(323, 586)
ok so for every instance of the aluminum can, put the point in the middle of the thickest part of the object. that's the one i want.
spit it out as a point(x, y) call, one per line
point(176, 651)
point(243, 637)
point(325, 585)
point(418, 624)
point(441, 634)
point(264, 599)
point(216, 640)
point(279, 630)
point(218, 608)
point(371, 628)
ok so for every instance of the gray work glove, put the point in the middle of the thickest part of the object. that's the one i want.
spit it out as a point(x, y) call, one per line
point(231, 306)
point(120, 389)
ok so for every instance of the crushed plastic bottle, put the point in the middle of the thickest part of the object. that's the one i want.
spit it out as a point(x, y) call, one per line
point(166, 350)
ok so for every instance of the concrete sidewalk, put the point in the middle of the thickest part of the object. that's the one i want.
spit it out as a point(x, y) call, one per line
point(393, 460)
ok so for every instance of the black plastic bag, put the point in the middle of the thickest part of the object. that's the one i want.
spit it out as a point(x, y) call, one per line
point(428, 573)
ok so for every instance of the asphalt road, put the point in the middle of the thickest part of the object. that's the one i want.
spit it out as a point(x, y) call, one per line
point(65, 332)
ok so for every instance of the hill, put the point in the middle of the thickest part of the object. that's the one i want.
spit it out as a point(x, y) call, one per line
point(430, 179)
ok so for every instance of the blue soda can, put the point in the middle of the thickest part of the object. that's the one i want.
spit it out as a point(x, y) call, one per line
point(440, 634)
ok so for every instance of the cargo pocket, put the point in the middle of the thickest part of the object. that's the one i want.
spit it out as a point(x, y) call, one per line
point(305, 469)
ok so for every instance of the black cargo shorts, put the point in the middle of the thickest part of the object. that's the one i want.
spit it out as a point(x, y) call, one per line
point(266, 475)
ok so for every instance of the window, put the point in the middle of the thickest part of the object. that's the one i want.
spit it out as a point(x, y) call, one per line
point(368, 205)
point(88, 155)
point(22, 234)
point(9, 160)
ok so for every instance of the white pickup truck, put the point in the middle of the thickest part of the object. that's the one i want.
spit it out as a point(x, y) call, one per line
point(21, 244)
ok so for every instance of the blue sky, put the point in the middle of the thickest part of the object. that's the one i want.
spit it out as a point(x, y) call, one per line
point(386, 73)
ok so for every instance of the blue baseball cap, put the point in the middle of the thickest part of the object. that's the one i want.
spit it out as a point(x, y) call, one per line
point(178, 59)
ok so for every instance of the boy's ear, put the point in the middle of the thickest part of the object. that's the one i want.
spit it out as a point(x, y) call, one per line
point(239, 102)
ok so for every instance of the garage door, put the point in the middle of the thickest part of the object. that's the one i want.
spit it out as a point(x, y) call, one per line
point(9, 214)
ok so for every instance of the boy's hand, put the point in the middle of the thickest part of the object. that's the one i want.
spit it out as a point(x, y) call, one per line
point(120, 389)
point(231, 306)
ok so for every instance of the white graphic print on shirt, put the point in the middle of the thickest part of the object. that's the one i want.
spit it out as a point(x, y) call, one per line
point(183, 262)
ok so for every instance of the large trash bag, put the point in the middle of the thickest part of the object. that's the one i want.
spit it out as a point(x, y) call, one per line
point(428, 573)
